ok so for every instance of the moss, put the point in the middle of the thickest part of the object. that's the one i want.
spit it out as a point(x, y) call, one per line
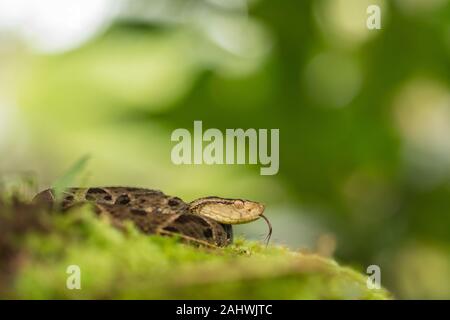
point(128, 264)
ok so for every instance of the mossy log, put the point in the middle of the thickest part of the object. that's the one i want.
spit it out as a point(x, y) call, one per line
point(37, 247)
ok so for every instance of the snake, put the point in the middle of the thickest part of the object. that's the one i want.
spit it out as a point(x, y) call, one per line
point(205, 221)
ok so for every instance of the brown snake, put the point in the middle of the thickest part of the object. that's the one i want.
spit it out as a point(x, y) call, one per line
point(205, 221)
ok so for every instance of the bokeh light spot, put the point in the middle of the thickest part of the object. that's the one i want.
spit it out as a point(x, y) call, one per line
point(332, 80)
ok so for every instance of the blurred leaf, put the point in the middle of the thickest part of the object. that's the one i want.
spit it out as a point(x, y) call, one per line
point(71, 175)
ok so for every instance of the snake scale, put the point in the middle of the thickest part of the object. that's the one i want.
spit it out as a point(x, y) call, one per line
point(206, 221)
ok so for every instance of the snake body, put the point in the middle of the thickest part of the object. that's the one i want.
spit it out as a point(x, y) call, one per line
point(204, 221)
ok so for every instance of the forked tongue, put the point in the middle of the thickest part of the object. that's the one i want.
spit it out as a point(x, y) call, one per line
point(267, 238)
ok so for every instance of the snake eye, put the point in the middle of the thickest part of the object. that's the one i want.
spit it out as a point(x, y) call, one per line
point(239, 204)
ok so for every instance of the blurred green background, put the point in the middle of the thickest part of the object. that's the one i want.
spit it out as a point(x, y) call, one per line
point(364, 115)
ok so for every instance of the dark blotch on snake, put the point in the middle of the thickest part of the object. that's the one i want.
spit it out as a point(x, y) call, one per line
point(202, 221)
point(95, 190)
point(123, 199)
point(132, 189)
point(183, 219)
point(207, 233)
point(172, 229)
point(138, 212)
point(173, 202)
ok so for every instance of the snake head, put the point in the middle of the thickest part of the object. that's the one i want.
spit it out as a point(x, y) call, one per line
point(227, 211)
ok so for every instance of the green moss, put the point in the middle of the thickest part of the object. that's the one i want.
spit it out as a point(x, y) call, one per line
point(117, 264)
